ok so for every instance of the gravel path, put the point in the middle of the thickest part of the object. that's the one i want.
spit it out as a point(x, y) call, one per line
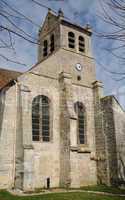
point(21, 193)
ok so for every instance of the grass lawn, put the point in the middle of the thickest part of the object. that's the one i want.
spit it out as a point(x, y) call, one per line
point(60, 196)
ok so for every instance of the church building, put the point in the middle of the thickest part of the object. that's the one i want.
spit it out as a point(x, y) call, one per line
point(57, 130)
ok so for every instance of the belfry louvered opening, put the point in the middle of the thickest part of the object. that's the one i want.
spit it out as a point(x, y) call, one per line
point(81, 44)
point(52, 43)
point(41, 118)
point(80, 111)
point(71, 40)
point(45, 48)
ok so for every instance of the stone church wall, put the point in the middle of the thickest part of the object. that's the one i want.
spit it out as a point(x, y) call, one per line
point(7, 136)
point(99, 134)
point(114, 129)
point(119, 119)
point(108, 125)
point(83, 165)
point(45, 159)
point(41, 159)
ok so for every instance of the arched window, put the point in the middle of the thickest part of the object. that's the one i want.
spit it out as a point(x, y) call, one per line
point(41, 118)
point(45, 48)
point(81, 44)
point(71, 40)
point(80, 111)
point(52, 43)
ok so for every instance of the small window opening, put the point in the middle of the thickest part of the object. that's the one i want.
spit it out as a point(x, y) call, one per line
point(78, 78)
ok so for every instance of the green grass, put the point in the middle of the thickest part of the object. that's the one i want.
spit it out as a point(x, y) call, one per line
point(60, 196)
point(103, 188)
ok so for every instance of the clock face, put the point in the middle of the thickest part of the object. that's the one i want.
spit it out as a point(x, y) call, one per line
point(78, 66)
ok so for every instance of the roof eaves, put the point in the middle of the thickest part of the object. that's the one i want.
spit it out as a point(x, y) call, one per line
point(78, 27)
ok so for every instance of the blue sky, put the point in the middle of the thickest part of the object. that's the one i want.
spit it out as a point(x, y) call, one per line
point(81, 12)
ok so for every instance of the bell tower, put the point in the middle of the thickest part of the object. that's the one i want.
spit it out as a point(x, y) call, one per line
point(71, 45)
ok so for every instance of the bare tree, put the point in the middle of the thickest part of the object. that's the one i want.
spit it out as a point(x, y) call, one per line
point(10, 29)
point(112, 30)
point(113, 14)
